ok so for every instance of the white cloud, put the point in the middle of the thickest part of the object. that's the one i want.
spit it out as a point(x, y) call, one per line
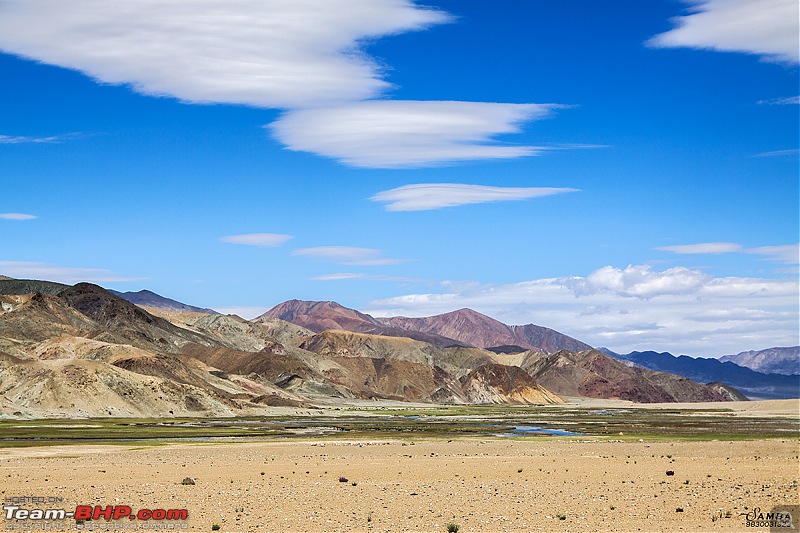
point(61, 274)
point(348, 255)
point(17, 216)
point(789, 100)
point(305, 56)
point(263, 53)
point(639, 281)
point(768, 28)
point(426, 196)
point(392, 134)
point(258, 239)
point(682, 311)
point(786, 253)
point(703, 248)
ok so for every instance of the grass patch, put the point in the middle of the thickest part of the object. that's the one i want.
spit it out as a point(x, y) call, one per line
point(436, 422)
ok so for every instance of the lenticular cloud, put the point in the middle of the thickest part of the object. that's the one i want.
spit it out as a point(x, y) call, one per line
point(768, 28)
point(263, 53)
point(393, 134)
point(302, 56)
point(426, 196)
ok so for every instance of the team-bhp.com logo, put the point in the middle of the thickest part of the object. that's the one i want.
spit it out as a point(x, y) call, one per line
point(87, 512)
point(85, 516)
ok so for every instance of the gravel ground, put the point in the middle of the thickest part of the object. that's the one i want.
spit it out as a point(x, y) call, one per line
point(483, 486)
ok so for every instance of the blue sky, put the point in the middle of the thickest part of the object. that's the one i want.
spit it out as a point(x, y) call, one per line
point(625, 172)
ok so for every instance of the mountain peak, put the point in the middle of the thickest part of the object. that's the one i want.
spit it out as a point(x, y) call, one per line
point(464, 326)
point(148, 298)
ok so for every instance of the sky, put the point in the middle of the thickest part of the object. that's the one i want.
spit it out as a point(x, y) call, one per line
point(624, 172)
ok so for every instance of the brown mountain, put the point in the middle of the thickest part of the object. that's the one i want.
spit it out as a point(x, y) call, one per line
point(83, 351)
point(481, 331)
point(495, 383)
point(463, 327)
point(593, 374)
point(319, 316)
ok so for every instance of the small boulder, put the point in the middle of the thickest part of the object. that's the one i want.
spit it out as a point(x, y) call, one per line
point(188, 481)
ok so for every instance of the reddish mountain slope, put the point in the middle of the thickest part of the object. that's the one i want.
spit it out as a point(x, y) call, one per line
point(319, 316)
point(481, 331)
point(463, 327)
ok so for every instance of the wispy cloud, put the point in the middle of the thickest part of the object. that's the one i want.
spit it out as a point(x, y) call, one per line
point(21, 139)
point(258, 239)
point(786, 253)
point(767, 28)
point(61, 274)
point(348, 255)
point(394, 134)
point(344, 276)
point(248, 312)
point(263, 53)
point(789, 100)
point(703, 248)
point(680, 310)
point(426, 196)
point(17, 216)
point(779, 153)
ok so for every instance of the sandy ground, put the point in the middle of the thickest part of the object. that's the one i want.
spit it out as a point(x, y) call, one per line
point(760, 408)
point(483, 486)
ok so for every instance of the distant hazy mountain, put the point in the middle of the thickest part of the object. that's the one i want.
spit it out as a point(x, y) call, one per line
point(756, 385)
point(770, 361)
point(151, 299)
point(463, 327)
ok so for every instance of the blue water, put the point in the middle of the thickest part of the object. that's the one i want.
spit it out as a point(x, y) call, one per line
point(521, 431)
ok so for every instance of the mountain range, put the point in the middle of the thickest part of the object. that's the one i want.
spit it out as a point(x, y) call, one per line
point(147, 298)
point(464, 327)
point(779, 360)
point(83, 351)
point(756, 385)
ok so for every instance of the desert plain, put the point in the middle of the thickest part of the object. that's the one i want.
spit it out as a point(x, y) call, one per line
point(428, 482)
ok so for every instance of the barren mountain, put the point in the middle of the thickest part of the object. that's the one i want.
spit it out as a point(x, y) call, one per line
point(770, 361)
point(29, 286)
point(235, 332)
point(119, 319)
point(83, 351)
point(756, 385)
point(595, 375)
point(464, 327)
point(481, 331)
point(495, 383)
point(319, 316)
point(147, 298)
